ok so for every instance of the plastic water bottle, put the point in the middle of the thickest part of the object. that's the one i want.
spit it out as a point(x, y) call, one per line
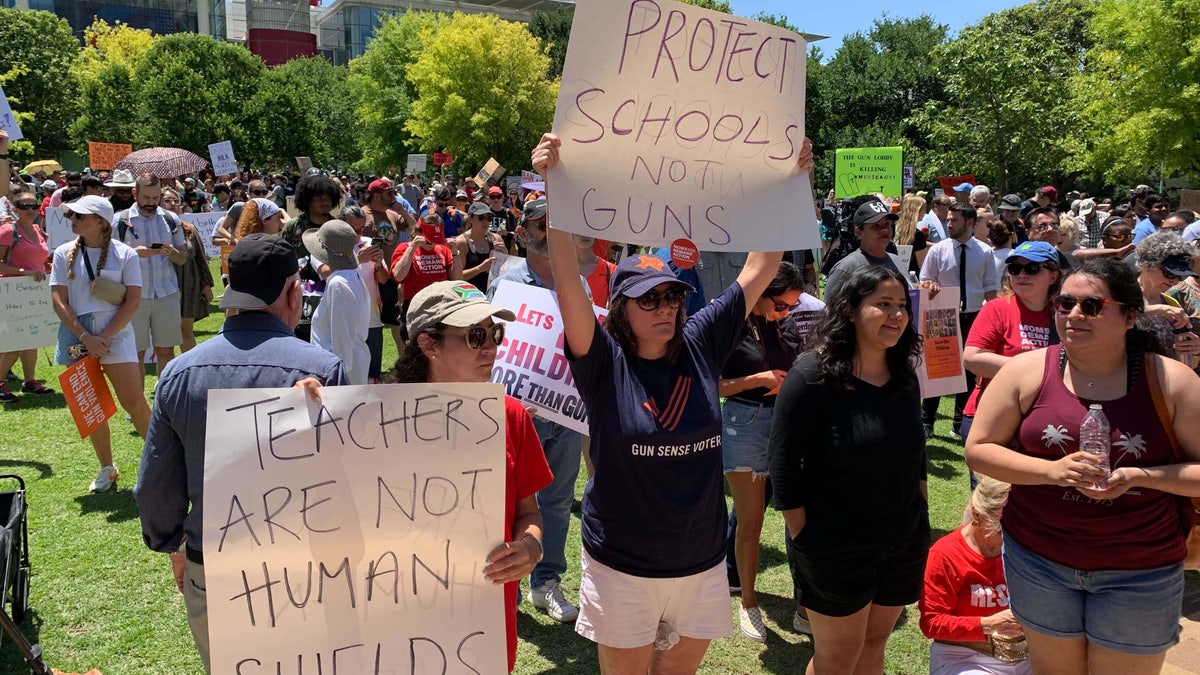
point(1094, 439)
point(666, 638)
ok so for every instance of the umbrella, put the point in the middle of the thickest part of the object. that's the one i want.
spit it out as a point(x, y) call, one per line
point(47, 165)
point(162, 162)
point(535, 186)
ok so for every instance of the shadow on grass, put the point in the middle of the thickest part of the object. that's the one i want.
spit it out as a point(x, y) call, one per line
point(559, 644)
point(11, 660)
point(6, 466)
point(942, 462)
point(33, 401)
point(781, 655)
point(117, 503)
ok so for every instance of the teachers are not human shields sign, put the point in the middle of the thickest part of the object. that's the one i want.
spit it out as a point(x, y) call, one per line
point(680, 122)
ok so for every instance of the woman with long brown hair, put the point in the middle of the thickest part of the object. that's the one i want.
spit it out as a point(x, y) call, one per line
point(912, 210)
point(259, 215)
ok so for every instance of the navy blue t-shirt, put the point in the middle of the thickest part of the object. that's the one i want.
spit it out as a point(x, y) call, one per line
point(655, 506)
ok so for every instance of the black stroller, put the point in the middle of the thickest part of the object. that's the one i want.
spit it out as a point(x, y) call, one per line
point(14, 570)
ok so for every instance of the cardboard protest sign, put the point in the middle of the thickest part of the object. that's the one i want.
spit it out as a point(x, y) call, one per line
point(290, 208)
point(681, 122)
point(87, 394)
point(948, 183)
point(27, 318)
point(104, 156)
point(206, 224)
point(58, 228)
point(513, 183)
point(531, 364)
point(417, 163)
point(1189, 200)
point(354, 531)
point(491, 170)
point(861, 171)
point(8, 121)
point(941, 370)
point(305, 163)
point(222, 158)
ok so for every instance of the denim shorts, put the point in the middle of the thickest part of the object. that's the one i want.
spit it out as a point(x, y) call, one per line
point(1127, 611)
point(745, 430)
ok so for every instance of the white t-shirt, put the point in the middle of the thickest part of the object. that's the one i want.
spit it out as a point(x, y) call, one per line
point(121, 265)
point(340, 323)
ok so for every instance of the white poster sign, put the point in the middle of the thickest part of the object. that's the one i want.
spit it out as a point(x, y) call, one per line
point(27, 318)
point(222, 158)
point(905, 253)
point(8, 121)
point(353, 532)
point(417, 163)
point(206, 224)
point(58, 228)
point(531, 364)
point(941, 371)
point(679, 122)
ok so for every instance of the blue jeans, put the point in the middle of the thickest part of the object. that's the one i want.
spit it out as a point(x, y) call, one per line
point(375, 347)
point(563, 448)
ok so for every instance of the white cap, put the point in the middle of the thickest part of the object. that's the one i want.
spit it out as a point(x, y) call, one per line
point(92, 204)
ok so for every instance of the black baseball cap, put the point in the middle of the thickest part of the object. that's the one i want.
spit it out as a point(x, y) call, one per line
point(259, 268)
point(873, 212)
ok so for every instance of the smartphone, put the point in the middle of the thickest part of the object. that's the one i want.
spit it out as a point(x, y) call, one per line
point(377, 242)
point(156, 245)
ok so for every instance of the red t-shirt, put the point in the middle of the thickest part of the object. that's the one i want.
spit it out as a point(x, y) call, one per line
point(427, 267)
point(1005, 327)
point(30, 254)
point(598, 282)
point(960, 587)
point(526, 473)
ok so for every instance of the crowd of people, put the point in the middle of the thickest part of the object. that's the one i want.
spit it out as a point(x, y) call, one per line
point(1064, 563)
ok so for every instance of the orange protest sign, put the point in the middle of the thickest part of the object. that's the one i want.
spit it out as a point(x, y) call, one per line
point(106, 155)
point(948, 183)
point(225, 251)
point(87, 394)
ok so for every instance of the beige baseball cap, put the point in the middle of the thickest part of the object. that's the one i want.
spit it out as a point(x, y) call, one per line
point(453, 303)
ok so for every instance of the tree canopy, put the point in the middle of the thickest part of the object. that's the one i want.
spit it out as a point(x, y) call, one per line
point(40, 49)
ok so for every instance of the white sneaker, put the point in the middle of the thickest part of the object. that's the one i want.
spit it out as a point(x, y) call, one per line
point(549, 597)
point(801, 624)
point(105, 479)
point(752, 623)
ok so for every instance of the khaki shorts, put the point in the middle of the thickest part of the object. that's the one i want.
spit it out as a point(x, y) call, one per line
point(160, 318)
point(623, 611)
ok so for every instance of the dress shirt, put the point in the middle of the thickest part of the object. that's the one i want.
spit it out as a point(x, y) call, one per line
point(941, 265)
point(159, 278)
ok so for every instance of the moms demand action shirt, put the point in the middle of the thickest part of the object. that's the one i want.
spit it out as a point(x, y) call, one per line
point(655, 506)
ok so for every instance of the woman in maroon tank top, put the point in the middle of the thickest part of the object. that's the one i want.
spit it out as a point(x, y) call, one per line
point(1095, 575)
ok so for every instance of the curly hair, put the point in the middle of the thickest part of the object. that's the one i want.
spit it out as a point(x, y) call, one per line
point(1156, 248)
point(837, 341)
point(314, 186)
point(249, 222)
point(413, 364)
point(617, 325)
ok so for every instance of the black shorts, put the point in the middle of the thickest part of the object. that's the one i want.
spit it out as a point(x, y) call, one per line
point(389, 313)
point(842, 581)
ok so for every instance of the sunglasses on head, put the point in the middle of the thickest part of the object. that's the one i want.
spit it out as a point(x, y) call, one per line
point(1015, 268)
point(1091, 306)
point(651, 300)
point(32, 206)
point(476, 335)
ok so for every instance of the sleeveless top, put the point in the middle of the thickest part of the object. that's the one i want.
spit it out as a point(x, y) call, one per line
point(475, 257)
point(1141, 529)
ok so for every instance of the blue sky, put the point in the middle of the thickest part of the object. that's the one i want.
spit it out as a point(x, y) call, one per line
point(842, 17)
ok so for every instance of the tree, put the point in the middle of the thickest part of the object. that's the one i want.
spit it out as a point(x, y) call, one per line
point(39, 49)
point(482, 90)
point(383, 90)
point(194, 90)
point(108, 93)
point(1004, 117)
point(323, 91)
point(554, 30)
point(1139, 94)
point(776, 20)
point(716, 5)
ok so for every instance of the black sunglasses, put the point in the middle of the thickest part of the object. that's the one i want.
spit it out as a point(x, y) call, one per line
point(260, 192)
point(651, 300)
point(75, 215)
point(1015, 268)
point(1091, 307)
point(781, 306)
point(1168, 275)
point(476, 335)
point(27, 207)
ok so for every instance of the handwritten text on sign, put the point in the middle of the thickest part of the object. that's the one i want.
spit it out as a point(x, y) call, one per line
point(681, 122)
point(353, 531)
point(206, 223)
point(8, 120)
point(104, 156)
point(223, 161)
point(531, 364)
point(27, 318)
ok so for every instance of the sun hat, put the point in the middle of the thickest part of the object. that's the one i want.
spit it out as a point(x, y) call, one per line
point(121, 178)
point(333, 243)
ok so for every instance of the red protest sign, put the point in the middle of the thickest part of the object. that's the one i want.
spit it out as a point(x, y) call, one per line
point(948, 183)
point(87, 394)
point(104, 156)
point(443, 159)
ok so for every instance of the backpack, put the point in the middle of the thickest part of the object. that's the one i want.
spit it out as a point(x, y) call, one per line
point(123, 223)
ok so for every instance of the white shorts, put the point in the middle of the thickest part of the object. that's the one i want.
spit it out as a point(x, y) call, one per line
point(947, 659)
point(623, 611)
point(158, 319)
point(122, 348)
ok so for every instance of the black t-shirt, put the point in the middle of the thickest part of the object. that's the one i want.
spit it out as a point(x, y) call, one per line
point(502, 222)
point(765, 345)
point(655, 506)
point(854, 461)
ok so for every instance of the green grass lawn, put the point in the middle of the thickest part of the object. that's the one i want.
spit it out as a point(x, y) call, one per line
point(102, 600)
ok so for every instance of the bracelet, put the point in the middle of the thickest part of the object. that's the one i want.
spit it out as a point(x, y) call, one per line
point(541, 550)
point(83, 335)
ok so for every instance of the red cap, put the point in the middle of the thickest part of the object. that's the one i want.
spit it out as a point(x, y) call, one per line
point(1051, 192)
point(495, 190)
point(380, 185)
point(433, 233)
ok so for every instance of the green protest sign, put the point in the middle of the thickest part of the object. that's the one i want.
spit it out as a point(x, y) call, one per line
point(861, 171)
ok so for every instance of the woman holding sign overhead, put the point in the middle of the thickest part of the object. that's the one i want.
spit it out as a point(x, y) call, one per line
point(453, 337)
point(654, 511)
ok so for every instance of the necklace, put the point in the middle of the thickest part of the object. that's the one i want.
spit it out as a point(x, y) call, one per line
point(1133, 370)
